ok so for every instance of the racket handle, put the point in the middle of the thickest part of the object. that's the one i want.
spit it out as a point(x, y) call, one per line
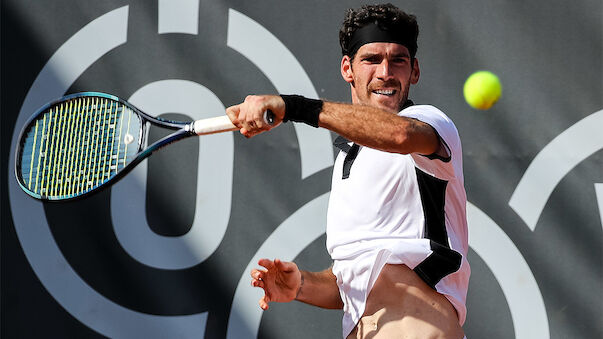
point(213, 125)
point(223, 124)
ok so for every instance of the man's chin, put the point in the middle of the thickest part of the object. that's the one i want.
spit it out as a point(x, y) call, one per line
point(392, 106)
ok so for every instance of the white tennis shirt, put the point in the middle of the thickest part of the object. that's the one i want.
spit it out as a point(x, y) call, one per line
point(400, 209)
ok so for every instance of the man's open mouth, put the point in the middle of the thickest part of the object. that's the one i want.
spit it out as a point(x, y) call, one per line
point(387, 92)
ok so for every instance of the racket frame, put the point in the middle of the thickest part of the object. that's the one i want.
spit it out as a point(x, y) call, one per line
point(183, 130)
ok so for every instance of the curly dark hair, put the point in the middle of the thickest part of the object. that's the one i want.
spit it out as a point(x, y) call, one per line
point(387, 17)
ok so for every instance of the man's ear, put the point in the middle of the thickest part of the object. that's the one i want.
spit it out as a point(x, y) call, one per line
point(346, 69)
point(416, 72)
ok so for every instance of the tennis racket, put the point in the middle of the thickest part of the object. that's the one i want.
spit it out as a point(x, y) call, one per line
point(87, 141)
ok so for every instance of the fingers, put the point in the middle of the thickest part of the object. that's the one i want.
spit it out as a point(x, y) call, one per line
point(233, 114)
point(285, 266)
point(249, 116)
point(251, 127)
point(264, 302)
point(258, 281)
point(266, 263)
point(278, 280)
point(237, 117)
point(280, 265)
point(258, 275)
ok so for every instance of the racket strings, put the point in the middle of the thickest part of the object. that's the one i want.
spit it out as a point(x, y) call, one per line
point(78, 145)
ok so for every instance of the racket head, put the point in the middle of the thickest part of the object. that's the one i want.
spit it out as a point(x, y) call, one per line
point(77, 144)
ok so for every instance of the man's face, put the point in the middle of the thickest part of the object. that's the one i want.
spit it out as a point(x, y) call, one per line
point(380, 75)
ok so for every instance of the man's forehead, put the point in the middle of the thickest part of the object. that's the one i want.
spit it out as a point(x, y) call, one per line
point(384, 47)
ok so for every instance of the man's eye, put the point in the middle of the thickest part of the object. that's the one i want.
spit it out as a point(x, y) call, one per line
point(371, 60)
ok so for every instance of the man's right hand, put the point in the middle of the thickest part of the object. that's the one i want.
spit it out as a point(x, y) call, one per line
point(280, 281)
point(248, 116)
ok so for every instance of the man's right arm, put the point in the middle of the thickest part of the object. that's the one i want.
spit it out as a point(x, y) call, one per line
point(320, 289)
point(365, 125)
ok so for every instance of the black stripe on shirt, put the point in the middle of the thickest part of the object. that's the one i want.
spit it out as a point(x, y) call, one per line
point(443, 260)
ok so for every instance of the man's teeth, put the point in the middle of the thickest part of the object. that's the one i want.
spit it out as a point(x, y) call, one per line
point(384, 91)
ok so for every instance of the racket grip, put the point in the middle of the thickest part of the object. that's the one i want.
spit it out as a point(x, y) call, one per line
point(223, 124)
point(213, 125)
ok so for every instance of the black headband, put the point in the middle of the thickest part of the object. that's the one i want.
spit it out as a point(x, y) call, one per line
point(373, 33)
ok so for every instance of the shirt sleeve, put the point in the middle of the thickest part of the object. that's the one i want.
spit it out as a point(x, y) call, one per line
point(436, 165)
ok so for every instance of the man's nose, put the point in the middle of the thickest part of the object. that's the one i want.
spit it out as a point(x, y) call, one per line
point(383, 70)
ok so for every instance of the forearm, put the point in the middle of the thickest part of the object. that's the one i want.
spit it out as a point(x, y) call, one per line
point(320, 289)
point(378, 129)
point(364, 125)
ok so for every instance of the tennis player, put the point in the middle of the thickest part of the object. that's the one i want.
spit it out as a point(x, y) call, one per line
point(396, 224)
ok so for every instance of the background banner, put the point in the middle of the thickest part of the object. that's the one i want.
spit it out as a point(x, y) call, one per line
point(166, 252)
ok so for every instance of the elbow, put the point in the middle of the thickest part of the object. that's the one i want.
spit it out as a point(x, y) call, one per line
point(401, 142)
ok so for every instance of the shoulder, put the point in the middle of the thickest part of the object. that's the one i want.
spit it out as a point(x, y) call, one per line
point(449, 136)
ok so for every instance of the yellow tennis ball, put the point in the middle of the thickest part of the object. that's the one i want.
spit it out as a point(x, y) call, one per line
point(482, 90)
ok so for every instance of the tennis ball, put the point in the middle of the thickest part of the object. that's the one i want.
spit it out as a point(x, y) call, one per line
point(482, 89)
